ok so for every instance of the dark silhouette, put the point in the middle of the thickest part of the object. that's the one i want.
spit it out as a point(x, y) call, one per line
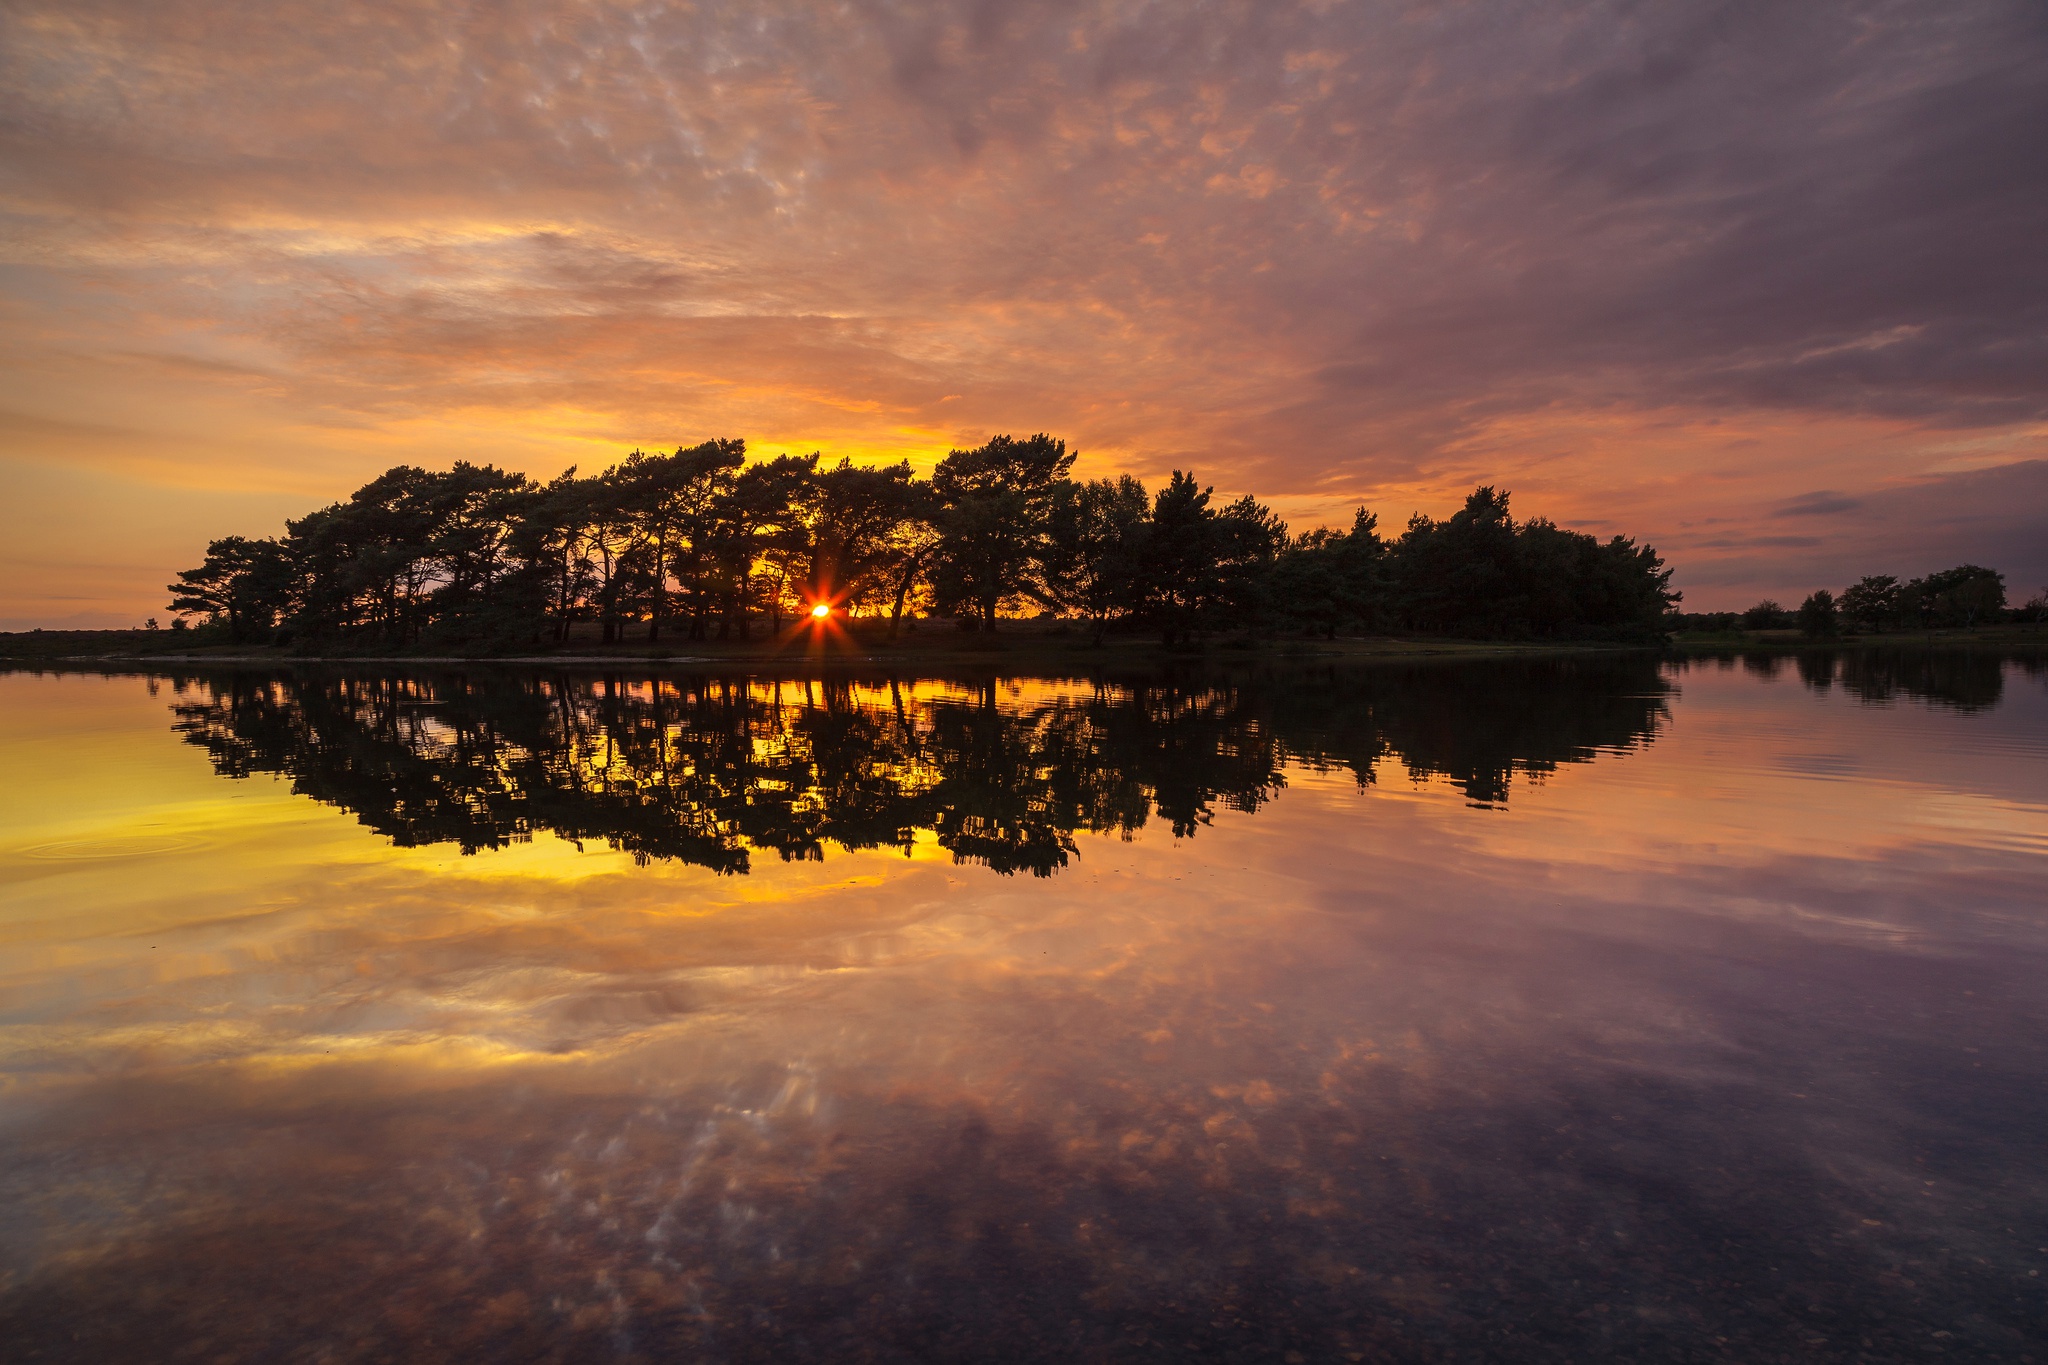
point(1817, 616)
point(1953, 679)
point(1966, 596)
point(1766, 615)
point(704, 544)
point(708, 770)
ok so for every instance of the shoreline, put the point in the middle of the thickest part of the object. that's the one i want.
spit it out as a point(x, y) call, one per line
point(1023, 647)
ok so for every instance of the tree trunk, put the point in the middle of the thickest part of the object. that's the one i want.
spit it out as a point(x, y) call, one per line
point(660, 603)
point(903, 583)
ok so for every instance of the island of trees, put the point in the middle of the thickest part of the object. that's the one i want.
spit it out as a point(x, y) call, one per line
point(702, 544)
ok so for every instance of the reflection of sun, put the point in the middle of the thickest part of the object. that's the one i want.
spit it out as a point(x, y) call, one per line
point(822, 610)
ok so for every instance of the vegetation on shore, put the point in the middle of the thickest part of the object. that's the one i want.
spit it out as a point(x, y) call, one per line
point(700, 547)
point(1965, 597)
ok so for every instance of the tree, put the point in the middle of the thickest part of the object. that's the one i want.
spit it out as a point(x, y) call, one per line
point(1961, 596)
point(859, 533)
point(1326, 580)
point(246, 584)
point(766, 515)
point(1766, 615)
point(1248, 540)
point(1180, 563)
point(675, 499)
point(1872, 603)
point(1096, 544)
point(994, 503)
point(913, 546)
point(1461, 576)
point(476, 554)
point(1817, 618)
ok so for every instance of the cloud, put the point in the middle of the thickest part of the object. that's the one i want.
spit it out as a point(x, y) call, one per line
point(1996, 517)
point(1821, 504)
point(1326, 252)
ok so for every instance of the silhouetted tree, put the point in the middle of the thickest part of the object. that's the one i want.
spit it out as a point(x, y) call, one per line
point(1095, 556)
point(1766, 615)
point(860, 533)
point(1181, 572)
point(994, 503)
point(246, 584)
point(1480, 574)
point(478, 556)
point(1817, 618)
point(1963, 596)
point(1872, 603)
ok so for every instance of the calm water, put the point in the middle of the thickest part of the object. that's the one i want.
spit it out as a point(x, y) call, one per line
point(1555, 1011)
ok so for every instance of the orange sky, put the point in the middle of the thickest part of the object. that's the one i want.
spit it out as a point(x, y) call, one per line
point(1764, 288)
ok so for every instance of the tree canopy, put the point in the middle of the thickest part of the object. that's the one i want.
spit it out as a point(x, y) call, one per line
point(705, 543)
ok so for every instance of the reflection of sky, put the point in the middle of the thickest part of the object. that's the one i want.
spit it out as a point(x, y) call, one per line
point(1427, 1065)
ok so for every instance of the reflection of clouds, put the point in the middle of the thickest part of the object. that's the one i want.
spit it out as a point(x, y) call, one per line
point(1368, 1071)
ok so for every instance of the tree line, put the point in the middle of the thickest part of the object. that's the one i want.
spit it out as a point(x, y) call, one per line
point(712, 770)
point(702, 544)
point(1968, 595)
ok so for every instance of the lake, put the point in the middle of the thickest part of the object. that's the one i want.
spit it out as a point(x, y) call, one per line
point(1602, 1007)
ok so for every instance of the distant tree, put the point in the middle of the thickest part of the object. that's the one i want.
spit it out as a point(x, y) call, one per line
point(858, 536)
point(1328, 580)
point(377, 562)
point(994, 505)
point(1963, 596)
point(554, 580)
point(244, 584)
point(913, 547)
point(764, 522)
point(1248, 540)
point(1180, 563)
point(1094, 560)
point(674, 500)
point(1461, 576)
point(476, 554)
point(1817, 618)
point(1766, 615)
point(1872, 603)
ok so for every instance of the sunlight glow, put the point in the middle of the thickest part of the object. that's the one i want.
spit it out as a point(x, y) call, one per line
point(822, 610)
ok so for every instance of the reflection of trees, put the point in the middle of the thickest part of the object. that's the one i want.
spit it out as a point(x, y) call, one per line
point(1966, 680)
point(707, 770)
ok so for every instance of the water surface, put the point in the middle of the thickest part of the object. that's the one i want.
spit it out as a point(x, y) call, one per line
point(1566, 1010)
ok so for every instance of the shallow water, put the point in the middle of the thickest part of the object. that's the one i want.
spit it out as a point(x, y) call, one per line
point(1598, 1009)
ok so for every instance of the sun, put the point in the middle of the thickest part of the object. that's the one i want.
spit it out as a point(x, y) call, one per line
point(822, 610)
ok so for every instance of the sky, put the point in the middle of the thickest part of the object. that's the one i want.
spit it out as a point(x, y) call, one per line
point(1761, 284)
